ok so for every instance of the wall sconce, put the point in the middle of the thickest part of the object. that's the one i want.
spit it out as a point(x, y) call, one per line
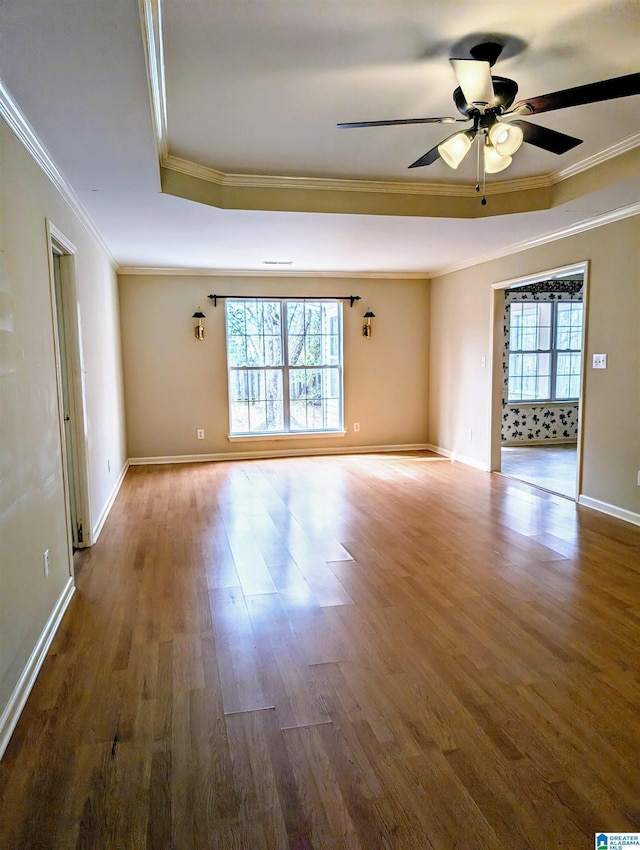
point(199, 329)
point(366, 328)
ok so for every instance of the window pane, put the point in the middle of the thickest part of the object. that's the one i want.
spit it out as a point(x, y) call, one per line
point(313, 317)
point(295, 317)
point(272, 317)
point(544, 337)
point(253, 333)
point(296, 350)
point(568, 375)
point(530, 326)
point(272, 350)
point(313, 350)
point(238, 386)
point(239, 418)
point(257, 416)
point(255, 350)
point(569, 325)
point(237, 350)
point(274, 400)
point(515, 388)
point(235, 318)
point(253, 317)
point(529, 377)
point(305, 399)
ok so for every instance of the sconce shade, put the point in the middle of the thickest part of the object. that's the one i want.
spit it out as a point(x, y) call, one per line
point(199, 328)
point(506, 138)
point(454, 149)
point(369, 315)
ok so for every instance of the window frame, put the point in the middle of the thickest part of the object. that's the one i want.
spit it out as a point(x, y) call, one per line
point(553, 350)
point(286, 370)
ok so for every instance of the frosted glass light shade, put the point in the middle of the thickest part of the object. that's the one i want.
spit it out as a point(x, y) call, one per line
point(506, 138)
point(493, 162)
point(454, 149)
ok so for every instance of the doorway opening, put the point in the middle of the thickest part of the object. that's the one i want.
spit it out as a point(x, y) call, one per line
point(70, 379)
point(539, 333)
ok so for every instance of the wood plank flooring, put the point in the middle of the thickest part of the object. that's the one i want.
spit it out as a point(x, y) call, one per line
point(339, 653)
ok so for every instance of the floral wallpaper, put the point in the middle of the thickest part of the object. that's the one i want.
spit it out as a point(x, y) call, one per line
point(528, 423)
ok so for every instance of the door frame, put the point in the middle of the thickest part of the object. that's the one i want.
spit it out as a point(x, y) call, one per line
point(497, 376)
point(58, 244)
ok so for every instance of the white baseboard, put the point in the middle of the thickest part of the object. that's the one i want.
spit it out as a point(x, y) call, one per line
point(469, 461)
point(95, 532)
point(519, 444)
point(611, 510)
point(18, 698)
point(273, 453)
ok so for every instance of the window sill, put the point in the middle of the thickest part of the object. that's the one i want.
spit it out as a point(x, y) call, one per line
point(296, 435)
point(567, 403)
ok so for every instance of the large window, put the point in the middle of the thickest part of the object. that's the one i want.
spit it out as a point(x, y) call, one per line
point(545, 355)
point(285, 366)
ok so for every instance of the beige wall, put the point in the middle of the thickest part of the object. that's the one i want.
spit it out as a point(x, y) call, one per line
point(175, 384)
point(460, 388)
point(32, 503)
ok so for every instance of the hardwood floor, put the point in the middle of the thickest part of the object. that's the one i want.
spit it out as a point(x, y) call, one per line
point(345, 652)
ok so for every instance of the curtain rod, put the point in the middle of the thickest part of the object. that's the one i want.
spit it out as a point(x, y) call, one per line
point(350, 298)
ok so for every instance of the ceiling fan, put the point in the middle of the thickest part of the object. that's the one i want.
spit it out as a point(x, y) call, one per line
point(497, 123)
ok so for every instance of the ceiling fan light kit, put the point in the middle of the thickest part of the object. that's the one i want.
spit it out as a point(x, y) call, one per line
point(487, 101)
point(454, 149)
point(506, 138)
point(493, 161)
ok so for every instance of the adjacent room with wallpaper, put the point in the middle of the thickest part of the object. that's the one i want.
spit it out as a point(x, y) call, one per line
point(320, 424)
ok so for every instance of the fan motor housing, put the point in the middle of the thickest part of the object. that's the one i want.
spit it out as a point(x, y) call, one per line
point(504, 91)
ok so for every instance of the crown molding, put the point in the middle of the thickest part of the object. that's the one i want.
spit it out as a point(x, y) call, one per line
point(629, 143)
point(572, 230)
point(269, 181)
point(14, 117)
point(180, 271)
point(272, 181)
point(151, 26)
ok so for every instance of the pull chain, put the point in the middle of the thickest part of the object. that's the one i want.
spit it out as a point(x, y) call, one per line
point(481, 174)
point(484, 176)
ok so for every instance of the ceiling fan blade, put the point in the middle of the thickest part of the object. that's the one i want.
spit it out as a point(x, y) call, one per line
point(427, 159)
point(548, 140)
point(474, 78)
point(590, 93)
point(396, 121)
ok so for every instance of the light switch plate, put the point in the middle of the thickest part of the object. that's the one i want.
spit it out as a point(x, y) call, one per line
point(599, 361)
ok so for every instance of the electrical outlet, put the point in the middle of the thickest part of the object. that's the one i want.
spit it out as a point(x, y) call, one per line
point(45, 558)
point(484, 362)
point(639, 478)
point(108, 465)
point(201, 433)
point(356, 426)
point(599, 361)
